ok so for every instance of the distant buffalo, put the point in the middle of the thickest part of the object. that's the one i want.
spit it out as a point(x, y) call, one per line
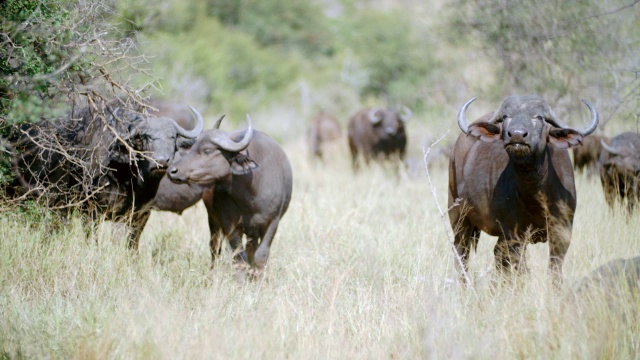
point(248, 182)
point(103, 160)
point(620, 169)
point(586, 155)
point(378, 134)
point(510, 176)
point(323, 128)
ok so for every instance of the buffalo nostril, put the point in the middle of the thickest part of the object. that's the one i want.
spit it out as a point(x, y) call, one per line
point(518, 133)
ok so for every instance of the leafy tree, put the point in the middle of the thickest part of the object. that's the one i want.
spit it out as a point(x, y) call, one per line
point(563, 50)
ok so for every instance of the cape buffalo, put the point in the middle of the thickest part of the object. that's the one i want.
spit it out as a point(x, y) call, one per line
point(585, 156)
point(322, 129)
point(620, 169)
point(377, 133)
point(510, 176)
point(171, 196)
point(248, 184)
point(108, 162)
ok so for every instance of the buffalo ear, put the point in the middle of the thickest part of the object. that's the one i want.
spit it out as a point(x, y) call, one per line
point(241, 164)
point(485, 131)
point(564, 138)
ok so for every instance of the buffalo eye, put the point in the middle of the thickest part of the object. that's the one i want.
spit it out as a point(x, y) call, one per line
point(139, 142)
point(539, 117)
point(207, 151)
point(503, 118)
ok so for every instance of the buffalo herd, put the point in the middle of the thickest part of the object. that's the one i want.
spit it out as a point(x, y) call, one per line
point(510, 172)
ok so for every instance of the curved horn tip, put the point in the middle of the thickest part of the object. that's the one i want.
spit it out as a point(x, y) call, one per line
point(595, 119)
point(216, 125)
point(462, 119)
point(196, 130)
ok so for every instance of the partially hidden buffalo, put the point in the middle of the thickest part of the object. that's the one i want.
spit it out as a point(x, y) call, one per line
point(323, 128)
point(510, 176)
point(620, 169)
point(107, 162)
point(378, 134)
point(586, 155)
point(171, 196)
point(248, 183)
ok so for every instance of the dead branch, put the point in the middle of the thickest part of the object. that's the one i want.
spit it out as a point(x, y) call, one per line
point(448, 230)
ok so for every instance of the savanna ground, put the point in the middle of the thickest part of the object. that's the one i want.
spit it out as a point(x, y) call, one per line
point(361, 267)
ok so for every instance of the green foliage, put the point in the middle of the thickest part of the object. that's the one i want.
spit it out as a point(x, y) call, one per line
point(150, 16)
point(386, 45)
point(239, 73)
point(250, 54)
point(33, 50)
point(294, 25)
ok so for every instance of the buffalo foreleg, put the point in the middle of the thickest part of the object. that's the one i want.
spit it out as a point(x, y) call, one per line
point(138, 221)
point(558, 246)
point(466, 238)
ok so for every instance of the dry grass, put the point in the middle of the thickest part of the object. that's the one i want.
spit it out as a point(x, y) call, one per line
point(360, 268)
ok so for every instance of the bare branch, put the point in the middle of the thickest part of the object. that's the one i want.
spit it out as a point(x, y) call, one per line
point(448, 230)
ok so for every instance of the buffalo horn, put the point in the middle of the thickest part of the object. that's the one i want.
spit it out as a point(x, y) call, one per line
point(225, 142)
point(371, 115)
point(405, 114)
point(609, 148)
point(594, 120)
point(218, 122)
point(462, 119)
point(193, 133)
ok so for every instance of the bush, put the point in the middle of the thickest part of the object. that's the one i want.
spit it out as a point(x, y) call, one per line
point(57, 55)
point(386, 46)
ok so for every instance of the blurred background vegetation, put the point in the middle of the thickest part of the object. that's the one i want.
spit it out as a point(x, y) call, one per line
point(291, 59)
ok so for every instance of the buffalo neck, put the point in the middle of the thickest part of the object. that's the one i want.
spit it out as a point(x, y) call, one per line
point(531, 176)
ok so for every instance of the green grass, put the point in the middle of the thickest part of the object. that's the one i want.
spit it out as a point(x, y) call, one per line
point(360, 268)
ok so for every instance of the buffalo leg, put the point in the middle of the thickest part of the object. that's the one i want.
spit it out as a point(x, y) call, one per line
point(466, 237)
point(558, 247)
point(138, 221)
point(262, 253)
point(235, 241)
point(215, 245)
point(354, 155)
point(510, 255)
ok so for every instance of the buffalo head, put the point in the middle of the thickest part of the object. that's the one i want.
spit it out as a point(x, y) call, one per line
point(624, 158)
point(526, 125)
point(388, 122)
point(155, 138)
point(214, 156)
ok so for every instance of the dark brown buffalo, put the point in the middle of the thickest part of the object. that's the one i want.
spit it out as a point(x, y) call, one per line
point(378, 134)
point(511, 176)
point(171, 196)
point(620, 169)
point(585, 156)
point(111, 166)
point(323, 128)
point(248, 184)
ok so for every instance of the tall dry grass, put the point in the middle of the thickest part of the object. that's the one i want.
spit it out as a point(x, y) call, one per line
point(360, 268)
